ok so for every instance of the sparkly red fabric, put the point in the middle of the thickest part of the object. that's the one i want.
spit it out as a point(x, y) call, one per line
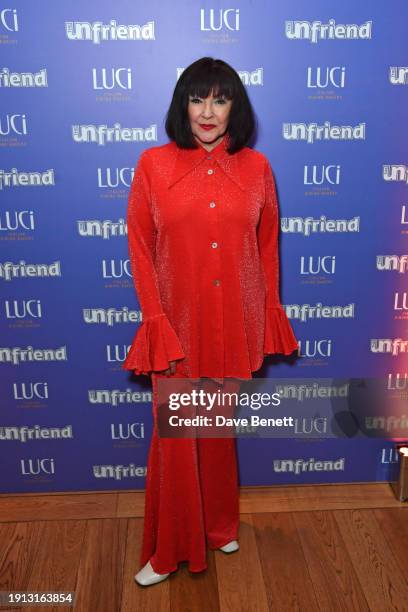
point(203, 247)
point(192, 495)
point(202, 235)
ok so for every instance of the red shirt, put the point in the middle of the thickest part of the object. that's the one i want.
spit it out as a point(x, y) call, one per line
point(203, 247)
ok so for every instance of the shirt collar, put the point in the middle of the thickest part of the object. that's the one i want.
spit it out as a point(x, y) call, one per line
point(188, 159)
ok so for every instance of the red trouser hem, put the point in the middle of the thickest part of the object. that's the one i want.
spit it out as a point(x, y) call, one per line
point(192, 568)
point(175, 568)
point(190, 503)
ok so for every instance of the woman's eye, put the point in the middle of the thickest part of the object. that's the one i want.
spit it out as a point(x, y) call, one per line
point(217, 100)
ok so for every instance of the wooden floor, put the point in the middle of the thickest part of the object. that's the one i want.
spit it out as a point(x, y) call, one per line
point(305, 548)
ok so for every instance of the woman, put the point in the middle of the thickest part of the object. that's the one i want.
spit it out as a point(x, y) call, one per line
point(203, 244)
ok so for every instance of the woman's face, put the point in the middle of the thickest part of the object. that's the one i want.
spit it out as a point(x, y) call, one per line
point(209, 119)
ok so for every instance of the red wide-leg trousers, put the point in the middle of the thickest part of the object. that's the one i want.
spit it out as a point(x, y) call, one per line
point(192, 498)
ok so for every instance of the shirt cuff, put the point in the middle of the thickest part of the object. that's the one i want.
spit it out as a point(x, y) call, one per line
point(279, 336)
point(154, 345)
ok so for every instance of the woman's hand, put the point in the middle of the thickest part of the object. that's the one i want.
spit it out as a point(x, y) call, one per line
point(171, 370)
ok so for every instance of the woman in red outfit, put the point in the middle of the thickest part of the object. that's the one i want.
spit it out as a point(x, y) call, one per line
point(202, 225)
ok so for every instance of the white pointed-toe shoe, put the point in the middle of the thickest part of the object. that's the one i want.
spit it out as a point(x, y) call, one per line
point(147, 576)
point(230, 547)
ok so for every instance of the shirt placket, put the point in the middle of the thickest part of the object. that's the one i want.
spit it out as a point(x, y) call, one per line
point(216, 281)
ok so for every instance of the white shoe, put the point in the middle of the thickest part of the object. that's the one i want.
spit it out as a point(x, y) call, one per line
point(230, 547)
point(147, 576)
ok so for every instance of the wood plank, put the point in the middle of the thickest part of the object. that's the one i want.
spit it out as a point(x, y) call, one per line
point(393, 524)
point(314, 560)
point(101, 566)
point(135, 596)
point(335, 581)
point(317, 497)
point(383, 583)
point(130, 504)
point(57, 507)
point(196, 591)
point(287, 581)
point(57, 559)
point(240, 579)
point(19, 547)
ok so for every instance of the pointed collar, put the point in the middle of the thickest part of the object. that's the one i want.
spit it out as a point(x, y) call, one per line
point(188, 159)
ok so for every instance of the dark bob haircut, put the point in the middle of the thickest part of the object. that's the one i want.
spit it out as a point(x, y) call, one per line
point(202, 77)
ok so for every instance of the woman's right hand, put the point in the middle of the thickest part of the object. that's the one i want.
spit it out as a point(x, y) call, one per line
point(170, 370)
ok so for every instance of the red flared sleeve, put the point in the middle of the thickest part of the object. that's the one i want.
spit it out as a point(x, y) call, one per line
point(279, 335)
point(155, 342)
point(154, 345)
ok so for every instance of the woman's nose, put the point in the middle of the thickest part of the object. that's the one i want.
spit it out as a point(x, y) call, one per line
point(207, 110)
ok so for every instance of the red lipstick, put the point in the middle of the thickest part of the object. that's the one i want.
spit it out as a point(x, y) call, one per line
point(206, 126)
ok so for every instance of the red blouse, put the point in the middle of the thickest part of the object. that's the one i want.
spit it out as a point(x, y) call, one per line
point(203, 248)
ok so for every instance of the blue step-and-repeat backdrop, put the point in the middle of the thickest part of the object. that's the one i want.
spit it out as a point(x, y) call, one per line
point(84, 89)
